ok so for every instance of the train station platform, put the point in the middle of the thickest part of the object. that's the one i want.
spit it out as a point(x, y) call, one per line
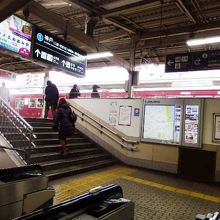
point(156, 195)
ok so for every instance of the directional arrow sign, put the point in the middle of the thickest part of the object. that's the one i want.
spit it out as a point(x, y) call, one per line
point(37, 52)
point(197, 62)
point(178, 62)
point(63, 62)
point(170, 62)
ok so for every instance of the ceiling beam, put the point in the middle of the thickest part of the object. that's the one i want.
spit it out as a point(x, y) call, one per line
point(185, 10)
point(120, 25)
point(62, 25)
point(96, 11)
point(129, 8)
point(180, 31)
point(66, 27)
point(109, 36)
point(9, 7)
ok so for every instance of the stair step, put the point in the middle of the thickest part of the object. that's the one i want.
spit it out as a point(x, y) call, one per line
point(53, 141)
point(57, 147)
point(69, 171)
point(62, 163)
point(41, 124)
point(42, 157)
point(52, 135)
point(43, 128)
point(38, 120)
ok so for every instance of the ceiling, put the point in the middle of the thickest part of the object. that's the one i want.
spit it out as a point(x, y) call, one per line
point(145, 30)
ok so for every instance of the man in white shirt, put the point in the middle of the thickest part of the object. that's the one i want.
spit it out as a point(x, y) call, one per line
point(4, 92)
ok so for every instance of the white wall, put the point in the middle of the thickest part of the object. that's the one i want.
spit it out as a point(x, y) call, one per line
point(103, 108)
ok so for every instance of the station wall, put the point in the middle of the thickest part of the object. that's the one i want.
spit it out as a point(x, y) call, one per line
point(151, 155)
point(108, 110)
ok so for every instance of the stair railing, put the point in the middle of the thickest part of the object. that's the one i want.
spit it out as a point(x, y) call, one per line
point(122, 141)
point(16, 131)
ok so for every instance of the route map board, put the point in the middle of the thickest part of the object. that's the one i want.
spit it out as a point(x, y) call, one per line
point(162, 123)
point(54, 51)
point(194, 61)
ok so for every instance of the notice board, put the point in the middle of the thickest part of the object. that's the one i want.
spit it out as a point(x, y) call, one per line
point(172, 121)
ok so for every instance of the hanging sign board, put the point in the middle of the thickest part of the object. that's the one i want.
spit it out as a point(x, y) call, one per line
point(194, 61)
point(15, 35)
point(57, 53)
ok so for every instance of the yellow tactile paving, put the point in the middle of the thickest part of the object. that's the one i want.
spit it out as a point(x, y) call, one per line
point(75, 187)
point(174, 189)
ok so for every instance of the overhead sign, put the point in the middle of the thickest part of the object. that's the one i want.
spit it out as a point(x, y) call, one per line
point(15, 35)
point(194, 61)
point(56, 52)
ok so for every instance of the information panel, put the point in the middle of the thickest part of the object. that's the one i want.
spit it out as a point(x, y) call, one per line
point(193, 61)
point(15, 35)
point(173, 121)
point(56, 52)
point(162, 123)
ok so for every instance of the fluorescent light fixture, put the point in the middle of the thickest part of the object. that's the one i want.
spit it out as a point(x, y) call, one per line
point(99, 55)
point(185, 93)
point(194, 83)
point(202, 41)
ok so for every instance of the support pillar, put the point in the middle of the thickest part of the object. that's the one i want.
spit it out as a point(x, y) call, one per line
point(134, 41)
point(46, 78)
point(90, 24)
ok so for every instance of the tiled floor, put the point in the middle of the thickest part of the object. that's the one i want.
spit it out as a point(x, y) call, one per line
point(156, 196)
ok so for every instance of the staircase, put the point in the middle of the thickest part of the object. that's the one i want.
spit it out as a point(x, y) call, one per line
point(83, 155)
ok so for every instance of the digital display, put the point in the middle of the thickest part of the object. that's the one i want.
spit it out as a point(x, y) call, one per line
point(54, 51)
point(15, 35)
point(162, 123)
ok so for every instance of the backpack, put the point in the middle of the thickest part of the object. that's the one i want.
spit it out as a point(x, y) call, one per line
point(73, 117)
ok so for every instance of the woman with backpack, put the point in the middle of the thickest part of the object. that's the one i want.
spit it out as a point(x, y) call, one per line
point(64, 123)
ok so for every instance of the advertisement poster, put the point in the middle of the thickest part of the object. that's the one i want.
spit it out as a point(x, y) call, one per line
point(113, 113)
point(39, 103)
point(191, 124)
point(125, 115)
point(19, 103)
point(32, 103)
point(15, 35)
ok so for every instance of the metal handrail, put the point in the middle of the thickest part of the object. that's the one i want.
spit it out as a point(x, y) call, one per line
point(16, 131)
point(100, 128)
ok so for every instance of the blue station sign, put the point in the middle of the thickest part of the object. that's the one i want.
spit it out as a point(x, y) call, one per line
point(55, 52)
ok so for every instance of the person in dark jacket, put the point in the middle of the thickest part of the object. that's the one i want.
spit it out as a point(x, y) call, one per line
point(95, 93)
point(51, 98)
point(74, 93)
point(63, 124)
